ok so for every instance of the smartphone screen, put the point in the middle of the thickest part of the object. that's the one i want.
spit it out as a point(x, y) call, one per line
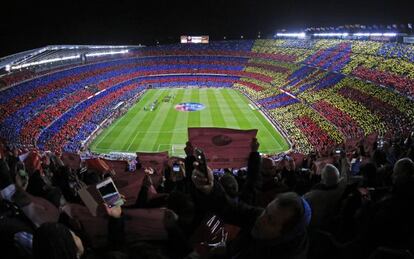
point(176, 168)
point(109, 193)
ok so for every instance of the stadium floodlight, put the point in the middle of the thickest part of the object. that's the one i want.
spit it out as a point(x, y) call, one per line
point(362, 34)
point(331, 34)
point(45, 61)
point(97, 54)
point(7, 67)
point(389, 34)
point(300, 35)
point(375, 34)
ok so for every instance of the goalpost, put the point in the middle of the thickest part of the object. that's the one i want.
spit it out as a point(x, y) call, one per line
point(173, 149)
point(177, 150)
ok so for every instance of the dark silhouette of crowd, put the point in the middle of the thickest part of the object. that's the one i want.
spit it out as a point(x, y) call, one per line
point(355, 204)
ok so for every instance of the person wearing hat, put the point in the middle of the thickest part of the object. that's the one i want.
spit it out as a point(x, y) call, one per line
point(324, 197)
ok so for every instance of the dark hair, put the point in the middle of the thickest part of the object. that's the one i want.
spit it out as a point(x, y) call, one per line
point(180, 203)
point(53, 241)
point(5, 178)
point(144, 250)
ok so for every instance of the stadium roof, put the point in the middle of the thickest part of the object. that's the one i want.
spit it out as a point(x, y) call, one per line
point(30, 25)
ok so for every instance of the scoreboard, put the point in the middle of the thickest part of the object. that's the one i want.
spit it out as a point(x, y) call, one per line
point(194, 39)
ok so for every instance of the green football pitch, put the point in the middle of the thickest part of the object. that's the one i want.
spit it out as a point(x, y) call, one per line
point(165, 128)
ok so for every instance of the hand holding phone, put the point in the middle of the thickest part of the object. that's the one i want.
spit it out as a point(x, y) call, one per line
point(115, 211)
point(202, 163)
point(109, 193)
point(202, 176)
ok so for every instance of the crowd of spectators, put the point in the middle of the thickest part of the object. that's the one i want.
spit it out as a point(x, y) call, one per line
point(401, 84)
point(395, 120)
point(24, 117)
point(397, 50)
point(276, 101)
point(355, 203)
point(274, 73)
point(374, 110)
point(8, 80)
point(323, 200)
point(333, 59)
point(340, 119)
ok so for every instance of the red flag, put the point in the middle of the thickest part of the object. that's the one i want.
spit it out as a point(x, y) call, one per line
point(119, 166)
point(33, 162)
point(298, 158)
point(98, 165)
point(223, 148)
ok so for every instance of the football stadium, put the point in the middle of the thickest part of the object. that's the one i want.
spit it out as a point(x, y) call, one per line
point(290, 142)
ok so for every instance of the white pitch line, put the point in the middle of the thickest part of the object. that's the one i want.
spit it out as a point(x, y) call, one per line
point(109, 130)
point(263, 124)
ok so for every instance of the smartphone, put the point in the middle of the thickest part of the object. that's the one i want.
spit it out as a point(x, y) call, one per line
point(201, 159)
point(109, 193)
point(176, 167)
point(338, 151)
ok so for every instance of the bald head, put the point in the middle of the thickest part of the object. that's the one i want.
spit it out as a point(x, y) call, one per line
point(330, 175)
point(403, 169)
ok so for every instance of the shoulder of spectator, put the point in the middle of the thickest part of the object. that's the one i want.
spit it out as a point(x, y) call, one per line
point(255, 154)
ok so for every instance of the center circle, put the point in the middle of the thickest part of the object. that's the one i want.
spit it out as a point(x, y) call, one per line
point(189, 107)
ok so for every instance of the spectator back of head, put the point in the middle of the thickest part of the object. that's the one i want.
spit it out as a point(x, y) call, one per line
point(230, 185)
point(53, 241)
point(403, 177)
point(404, 168)
point(330, 175)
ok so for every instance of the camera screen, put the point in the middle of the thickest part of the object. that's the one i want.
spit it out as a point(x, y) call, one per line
point(176, 168)
point(109, 194)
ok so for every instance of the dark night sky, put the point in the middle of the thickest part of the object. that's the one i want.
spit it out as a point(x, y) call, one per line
point(30, 25)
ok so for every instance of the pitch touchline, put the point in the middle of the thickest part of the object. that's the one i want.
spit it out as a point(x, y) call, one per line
point(261, 122)
point(108, 130)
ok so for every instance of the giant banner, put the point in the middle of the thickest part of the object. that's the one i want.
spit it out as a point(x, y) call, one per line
point(224, 148)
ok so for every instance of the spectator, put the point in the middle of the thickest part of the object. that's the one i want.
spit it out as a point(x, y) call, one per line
point(279, 229)
point(54, 240)
point(230, 185)
point(390, 223)
point(324, 197)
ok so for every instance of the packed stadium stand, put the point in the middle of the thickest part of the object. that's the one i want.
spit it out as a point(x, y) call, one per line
point(368, 84)
point(346, 108)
